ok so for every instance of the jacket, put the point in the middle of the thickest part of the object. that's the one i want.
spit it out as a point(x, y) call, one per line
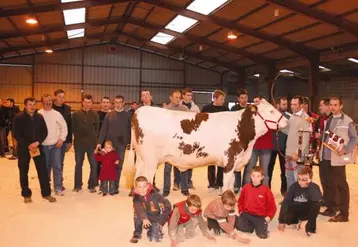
point(193, 107)
point(65, 111)
point(257, 200)
point(153, 206)
point(28, 129)
point(108, 165)
point(264, 142)
point(184, 215)
point(279, 139)
point(211, 108)
point(85, 126)
point(226, 219)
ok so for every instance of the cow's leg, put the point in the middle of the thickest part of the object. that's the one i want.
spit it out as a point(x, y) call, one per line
point(229, 180)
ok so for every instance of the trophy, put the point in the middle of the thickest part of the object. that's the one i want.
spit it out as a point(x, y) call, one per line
point(335, 143)
point(310, 158)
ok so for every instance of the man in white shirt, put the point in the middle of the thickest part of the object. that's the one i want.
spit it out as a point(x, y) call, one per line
point(57, 133)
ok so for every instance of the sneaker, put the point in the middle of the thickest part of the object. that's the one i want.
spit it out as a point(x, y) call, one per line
point(2, 155)
point(134, 240)
point(27, 200)
point(63, 188)
point(92, 190)
point(176, 187)
point(50, 198)
point(104, 194)
point(185, 193)
point(328, 213)
point(220, 191)
point(339, 218)
point(60, 193)
point(12, 158)
point(165, 194)
point(211, 189)
point(236, 190)
point(77, 190)
point(116, 192)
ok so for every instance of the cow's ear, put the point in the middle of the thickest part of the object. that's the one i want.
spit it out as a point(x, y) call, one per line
point(253, 108)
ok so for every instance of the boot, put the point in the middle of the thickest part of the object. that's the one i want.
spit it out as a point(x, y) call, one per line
point(27, 200)
point(50, 199)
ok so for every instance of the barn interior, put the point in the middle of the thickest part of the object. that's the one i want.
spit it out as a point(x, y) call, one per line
point(116, 47)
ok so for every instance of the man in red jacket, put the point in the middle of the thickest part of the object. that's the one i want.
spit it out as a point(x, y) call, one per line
point(256, 206)
point(261, 151)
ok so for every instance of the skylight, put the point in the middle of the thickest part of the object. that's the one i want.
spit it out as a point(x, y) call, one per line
point(162, 38)
point(353, 60)
point(74, 16)
point(69, 1)
point(76, 33)
point(181, 23)
point(257, 75)
point(324, 69)
point(206, 7)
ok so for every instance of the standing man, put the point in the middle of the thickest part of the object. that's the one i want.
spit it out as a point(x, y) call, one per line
point(12, 111)
point(65, 110)
point(30, 131)
point(242, 97)
point(52, 145)
point(298, 121)
point(180, 178)
point(261, 151)
point(105, 108)
point(333, 164)
point(85, 126)
point(188, 102)
point(3, 127)
point(216, 176)
point(279, 146)
point(117, 129)
point(134, 107)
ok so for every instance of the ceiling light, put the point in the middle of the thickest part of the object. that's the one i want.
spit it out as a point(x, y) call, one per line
point(201, 48)
point(74, 16)
point(162, 38)
point(49, 51)
point(353, 60)
point(257, 75)
point(231, 35)
point(31, 21)
point(286, 71)
point(277, 12)
point(206, 7)
point(76, 33)
point(324, 69)
point(181, 23)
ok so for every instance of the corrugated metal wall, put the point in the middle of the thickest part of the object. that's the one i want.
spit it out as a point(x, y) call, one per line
point(97, 71)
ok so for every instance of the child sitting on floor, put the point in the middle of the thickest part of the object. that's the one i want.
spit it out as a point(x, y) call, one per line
point(256, 206)
point(220, 214)
point(301, 203)
point(151, 211)
point(108, 174)
point(184, 218)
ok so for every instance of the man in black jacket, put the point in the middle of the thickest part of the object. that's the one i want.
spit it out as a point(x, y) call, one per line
point(30, 131)
point(12, 111)
point(65, 110)
point(3, 127)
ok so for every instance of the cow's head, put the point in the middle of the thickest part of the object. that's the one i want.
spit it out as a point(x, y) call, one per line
point(269, 116)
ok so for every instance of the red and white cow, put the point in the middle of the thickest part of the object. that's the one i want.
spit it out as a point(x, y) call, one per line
point(188, 140)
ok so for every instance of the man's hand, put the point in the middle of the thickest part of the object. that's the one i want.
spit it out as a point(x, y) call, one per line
point(146, 223)
point(68, 147)
point(34, 145)
point(99, 146)
point(116, 162)
point(342, 151)
point(318, 135)
point(59, 143)
point(173, 244)
point(268, 219)
point(241, 239)
point(281, 227)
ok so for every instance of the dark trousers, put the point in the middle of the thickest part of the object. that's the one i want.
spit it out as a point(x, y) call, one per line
point(215, 176)
point(108, 187)
point(282, 160)
point(190, 176)
point(292, 214)
point(249, 223)
point(2, 141)
point(238, 182)
point(153, 231)
point(79, 157)
point(335, 185)
point(120, 149)
point(180, 178)
point(24, 165)
point(15, 145)
point(214, 225)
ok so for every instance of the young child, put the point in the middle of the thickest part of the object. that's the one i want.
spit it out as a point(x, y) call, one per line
point(184, 218)
point(256, 205)
point(220, 214)
point(108, 174)
point(301, 203)
point(151, 211)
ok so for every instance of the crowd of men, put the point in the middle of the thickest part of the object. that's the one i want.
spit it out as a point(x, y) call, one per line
point(47, 134)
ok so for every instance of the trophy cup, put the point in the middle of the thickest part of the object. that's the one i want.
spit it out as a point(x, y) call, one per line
point(306, 159)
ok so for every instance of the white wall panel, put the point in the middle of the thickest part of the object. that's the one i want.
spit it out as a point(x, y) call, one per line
point(58, 73)
point(111, 76)
point(163, 76)
point(72, 91)
point(150, 60)
point(195, 75)
point(129, 93)
point(73, 56)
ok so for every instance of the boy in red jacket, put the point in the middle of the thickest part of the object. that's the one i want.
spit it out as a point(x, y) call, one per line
point(256, 206)
point(108, 174)
point(183, 220)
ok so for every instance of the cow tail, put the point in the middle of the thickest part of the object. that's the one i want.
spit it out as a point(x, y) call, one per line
point(129, 168)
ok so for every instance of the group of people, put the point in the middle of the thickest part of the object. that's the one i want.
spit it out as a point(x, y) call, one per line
point(47, 134)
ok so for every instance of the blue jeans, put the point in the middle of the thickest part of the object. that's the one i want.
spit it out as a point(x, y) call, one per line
point(108, 187)
point(292, 170)
point(53, 162)
point(264, 157)
point(179, 178)
point(63, 152)
point(120, 149)
point(237, 184)
point(153, 230)
point(79, 157)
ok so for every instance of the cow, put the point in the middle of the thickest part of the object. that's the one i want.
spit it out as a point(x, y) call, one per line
point(188, 140)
